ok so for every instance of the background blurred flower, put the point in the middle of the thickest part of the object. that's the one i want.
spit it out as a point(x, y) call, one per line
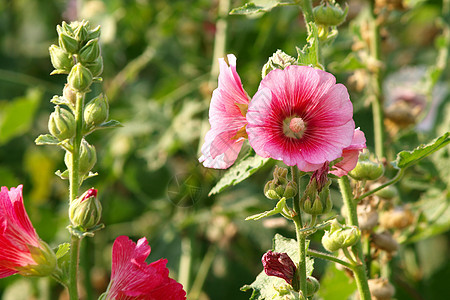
point(133, 278)
point(21, 250)
point(229, 105)
point(300, 116)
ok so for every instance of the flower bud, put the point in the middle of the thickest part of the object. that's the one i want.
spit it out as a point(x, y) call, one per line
point(86, 210)
point(96, 111)
point(280, 265)
point(70, 95)
point(80, 78)
point(61, 60)
point(96, 67)
point(384, 241)
point(312, 286)
point(81, 30)
point(279, 186)
point(88, 158)
point(316, 200)
point(340, 236)
point(61, 124)
point(68, 43)
point(367, 168)
point(387, 193)
point(329, 14)
point(381, 289)
point(45, 260)
point(279, 60)
point(90, 51)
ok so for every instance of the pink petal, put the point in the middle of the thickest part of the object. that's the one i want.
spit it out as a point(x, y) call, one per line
point(350, 154)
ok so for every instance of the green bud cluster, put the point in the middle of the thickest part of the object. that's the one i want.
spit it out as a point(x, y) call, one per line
point(340, 236)
point(367, 168)
point(279, 60)
point(316, 199)
point(280, 187)
point(86, 210)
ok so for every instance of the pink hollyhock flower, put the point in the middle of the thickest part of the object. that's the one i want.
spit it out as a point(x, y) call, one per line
point(21, 250)
point(350, 154)
point(132, 278)
point(229, 105)
point(300, 116)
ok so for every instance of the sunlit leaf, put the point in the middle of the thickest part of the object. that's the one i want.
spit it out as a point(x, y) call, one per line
point(46, 139)
point(408, 158)
point(309, 55)
point(62, 250)
point(278, 209)
point(239, 172)
point(259, 6)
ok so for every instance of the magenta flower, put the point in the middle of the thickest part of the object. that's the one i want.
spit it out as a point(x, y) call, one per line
point(279, 265)
point(227, 112)
point(300, 116)
point(133, 279)
point(21, 250)
point(350, 154)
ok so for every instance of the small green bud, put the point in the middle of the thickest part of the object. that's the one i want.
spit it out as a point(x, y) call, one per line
point(80, 30)
point(90, 51)
point(291, 190)
point(61, 124)
point(340, 236)
point(70, 95)
point(279, 60)
point(312, 286)
point(88, 157)
point(68, 43)
point(329, 14)
point(387, 193)
point(86, 210)
point(96, 111)
point(316, 199)
point(80, 78)
point(61, 60)
point(367, 168)
point(96, 67)
point(279, 186)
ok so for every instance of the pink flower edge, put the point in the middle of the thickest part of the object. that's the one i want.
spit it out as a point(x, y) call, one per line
point(350, 154)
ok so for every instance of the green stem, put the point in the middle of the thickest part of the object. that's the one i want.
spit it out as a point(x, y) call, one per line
point(307, 9)
point(352, 219)
point(377, 86)
point(301, 237)
point(397, 177)
point(74, 184)
point(329, 257)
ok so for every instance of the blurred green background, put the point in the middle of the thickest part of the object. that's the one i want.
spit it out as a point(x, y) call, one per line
point(158, 57)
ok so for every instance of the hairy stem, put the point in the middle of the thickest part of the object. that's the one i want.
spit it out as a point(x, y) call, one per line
point(397, 177)
point(360, 269)
point(329, 257)
point(73, 267)
point(301, 237)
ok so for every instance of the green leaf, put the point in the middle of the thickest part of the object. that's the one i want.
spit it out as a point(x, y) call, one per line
point(267, 287)
point(46, 139)
point(63, 175)
point(16, 116)
point(62, 250)
point(278, 209)
point(110, 124)
point(259, 6)
point(309, 55)
point(58, 100)
point(408, 158)
point(239, 172)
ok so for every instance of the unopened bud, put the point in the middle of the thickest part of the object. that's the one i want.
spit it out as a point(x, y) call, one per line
point(45, 260)
point(80, 78)
point(61, 124)
point(70, 95)
point(340, 236)
point(316, 199)
point(381, 289)
point(80, 30)
point(96, 67)
point(68, 43)
point(90, 51)
point(312, 286)
point(86, 210)
point(329, 14)
point(96, 111)
point(387, 193)
point(88, 158)
point(279, 186)
point(367, 168)
point(61, 60)
point(279, 60)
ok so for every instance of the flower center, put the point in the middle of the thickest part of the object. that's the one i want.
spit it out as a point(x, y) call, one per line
point(294, 127)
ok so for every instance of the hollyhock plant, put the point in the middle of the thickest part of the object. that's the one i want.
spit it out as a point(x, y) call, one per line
point(227, 112)
point(350, 154)
point(300, 116)
point(21, 250)
point(132, 278)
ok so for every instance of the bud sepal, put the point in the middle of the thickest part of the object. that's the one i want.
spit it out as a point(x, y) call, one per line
point(340, 236)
